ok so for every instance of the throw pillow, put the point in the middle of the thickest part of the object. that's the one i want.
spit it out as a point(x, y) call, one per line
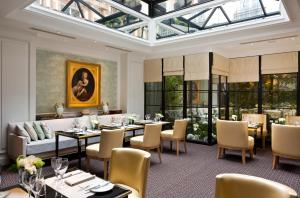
point(30, 130)
point(20, 131)
point(47, 131)
point(39, 131)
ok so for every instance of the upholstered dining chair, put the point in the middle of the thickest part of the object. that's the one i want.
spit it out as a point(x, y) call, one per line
point(237, 185)
point(285, 142)
point(129, 168)
point(109, 139)
point(292, 120)
point(234, 135)
point(257, 118)
point(150, 140)
point(178, 134)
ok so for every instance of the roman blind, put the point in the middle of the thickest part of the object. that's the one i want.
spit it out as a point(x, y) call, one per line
point(173, 66)
point(196, 67)
point(279, 63)
point(220, 65)
point(243, 69)
point(153, 70)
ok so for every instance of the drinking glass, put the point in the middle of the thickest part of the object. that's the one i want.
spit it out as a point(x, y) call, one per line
point(56, 164)
point(64, 167)
point(43, 190)
point(147, 116)
point(37, 186)
point(26, 180)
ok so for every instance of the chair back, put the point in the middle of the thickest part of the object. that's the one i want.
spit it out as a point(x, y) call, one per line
point(180, 128)
point(130, 167)
point(256, 118)
point(152, 135)
point(232, 133)
point(286, 140)
point(292, 120)
point(109, 140)
point(237, 185)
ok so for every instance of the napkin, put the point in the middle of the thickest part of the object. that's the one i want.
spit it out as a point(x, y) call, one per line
point(79, 178)
point(76, 172)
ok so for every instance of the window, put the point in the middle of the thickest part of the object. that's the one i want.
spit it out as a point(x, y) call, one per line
point(279, 95)
point(153, 98)
point(242, 98)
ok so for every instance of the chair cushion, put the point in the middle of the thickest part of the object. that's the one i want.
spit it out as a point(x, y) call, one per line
point(39, 131)
point(250, 142)
point(137, 140)
point(93, 150)
point(134, 193)
point(167, 134)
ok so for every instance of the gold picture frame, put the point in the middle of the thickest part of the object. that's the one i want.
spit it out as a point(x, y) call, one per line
point(83, 84)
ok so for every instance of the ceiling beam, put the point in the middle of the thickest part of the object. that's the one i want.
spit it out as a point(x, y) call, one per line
point(132, 26)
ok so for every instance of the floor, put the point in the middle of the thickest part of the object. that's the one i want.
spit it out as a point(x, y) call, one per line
point(193, 174)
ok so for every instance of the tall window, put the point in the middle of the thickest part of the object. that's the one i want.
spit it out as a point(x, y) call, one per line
point(173, 97)
point(153, 97)
point(242, 98)
point(279, 95)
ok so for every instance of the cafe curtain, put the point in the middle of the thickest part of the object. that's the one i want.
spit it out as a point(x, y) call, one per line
point(280, 63)
point(196, 67)
point(153, 70)
point(220, 65)
point(173, 66)
point(243, 69)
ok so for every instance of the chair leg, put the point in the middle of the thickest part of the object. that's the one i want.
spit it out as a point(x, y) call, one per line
point(177, 147)
point(244, 156)
point(105, 169)
point(171, 145)
point(219, 152)
point(185, 150)
point(275, 161)
point(251, 153)
point(87, 162)
point(159, 156)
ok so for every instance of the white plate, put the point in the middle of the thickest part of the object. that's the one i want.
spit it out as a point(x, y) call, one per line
point(102, 189)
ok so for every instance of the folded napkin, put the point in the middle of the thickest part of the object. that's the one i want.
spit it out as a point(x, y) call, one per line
point(72, 173)
point(79, 178)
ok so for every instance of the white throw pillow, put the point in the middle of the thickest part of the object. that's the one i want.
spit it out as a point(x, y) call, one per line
point(30, 130)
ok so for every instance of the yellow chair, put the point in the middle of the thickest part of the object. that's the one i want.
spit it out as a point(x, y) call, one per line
point(285, 142)
point(257, 118)
point(150, 139)
point(109, 140)
point(129, 168)
point(178, 134)
point(292, 120)
point(234, 135)
point(237, 186)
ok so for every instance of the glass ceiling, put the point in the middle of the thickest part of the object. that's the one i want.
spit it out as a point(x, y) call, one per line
point(132, 16)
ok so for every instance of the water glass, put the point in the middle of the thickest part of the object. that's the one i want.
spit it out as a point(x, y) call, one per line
point(37, 186)
point(26, 181)
point(56, 163)
point(147, 116)
point(64, 167)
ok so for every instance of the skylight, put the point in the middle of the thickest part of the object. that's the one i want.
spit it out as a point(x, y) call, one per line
point(172, 18)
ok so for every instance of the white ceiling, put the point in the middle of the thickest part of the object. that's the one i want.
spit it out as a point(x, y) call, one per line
point(228, 43)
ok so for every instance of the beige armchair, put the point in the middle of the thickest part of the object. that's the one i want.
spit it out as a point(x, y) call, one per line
point(150, 139)
point(129, 168)
point(237, 185)
point(178, 134)
point(109, 140)
point(257, 118)
point(234, 135)
point(285, 142)
point(292, 120)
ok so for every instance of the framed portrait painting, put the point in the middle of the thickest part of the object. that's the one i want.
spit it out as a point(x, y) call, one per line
point(83, 83)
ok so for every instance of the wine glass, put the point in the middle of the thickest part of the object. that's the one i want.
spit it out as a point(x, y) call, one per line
point(26, 181)
point(56, 164)
point(147, 116)
point(64, 167)
point(36, 187)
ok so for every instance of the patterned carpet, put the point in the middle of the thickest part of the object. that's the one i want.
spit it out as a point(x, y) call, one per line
point(193, 174)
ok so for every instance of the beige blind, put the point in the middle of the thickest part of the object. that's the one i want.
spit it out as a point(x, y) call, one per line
point(279, 63)
point(196, 67)
point(220, 65)
point(173, 66)
point(243, 69)
point(153, 70)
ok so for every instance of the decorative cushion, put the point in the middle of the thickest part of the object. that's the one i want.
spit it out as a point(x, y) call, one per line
point(167, 134)
point(47, 131)
point(137, 140)
point(39, 131)
point(30, 130)
point(20, 131)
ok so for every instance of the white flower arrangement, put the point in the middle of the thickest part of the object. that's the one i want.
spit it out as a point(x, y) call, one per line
point(195, 126)
point(281, 120)
point(159, 115)
point(94, 122)
point(30, 163)
point(234, 117)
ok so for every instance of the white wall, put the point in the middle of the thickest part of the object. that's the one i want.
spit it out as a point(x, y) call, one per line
point(18, 75)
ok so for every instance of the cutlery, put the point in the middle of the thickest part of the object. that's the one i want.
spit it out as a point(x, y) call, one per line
point(70, 175)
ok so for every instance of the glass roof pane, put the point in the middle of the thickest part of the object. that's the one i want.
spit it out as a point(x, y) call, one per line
point(163, 32)
point(271, 6)
point(94, 11)
point(137, 5)
point(141, 32)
